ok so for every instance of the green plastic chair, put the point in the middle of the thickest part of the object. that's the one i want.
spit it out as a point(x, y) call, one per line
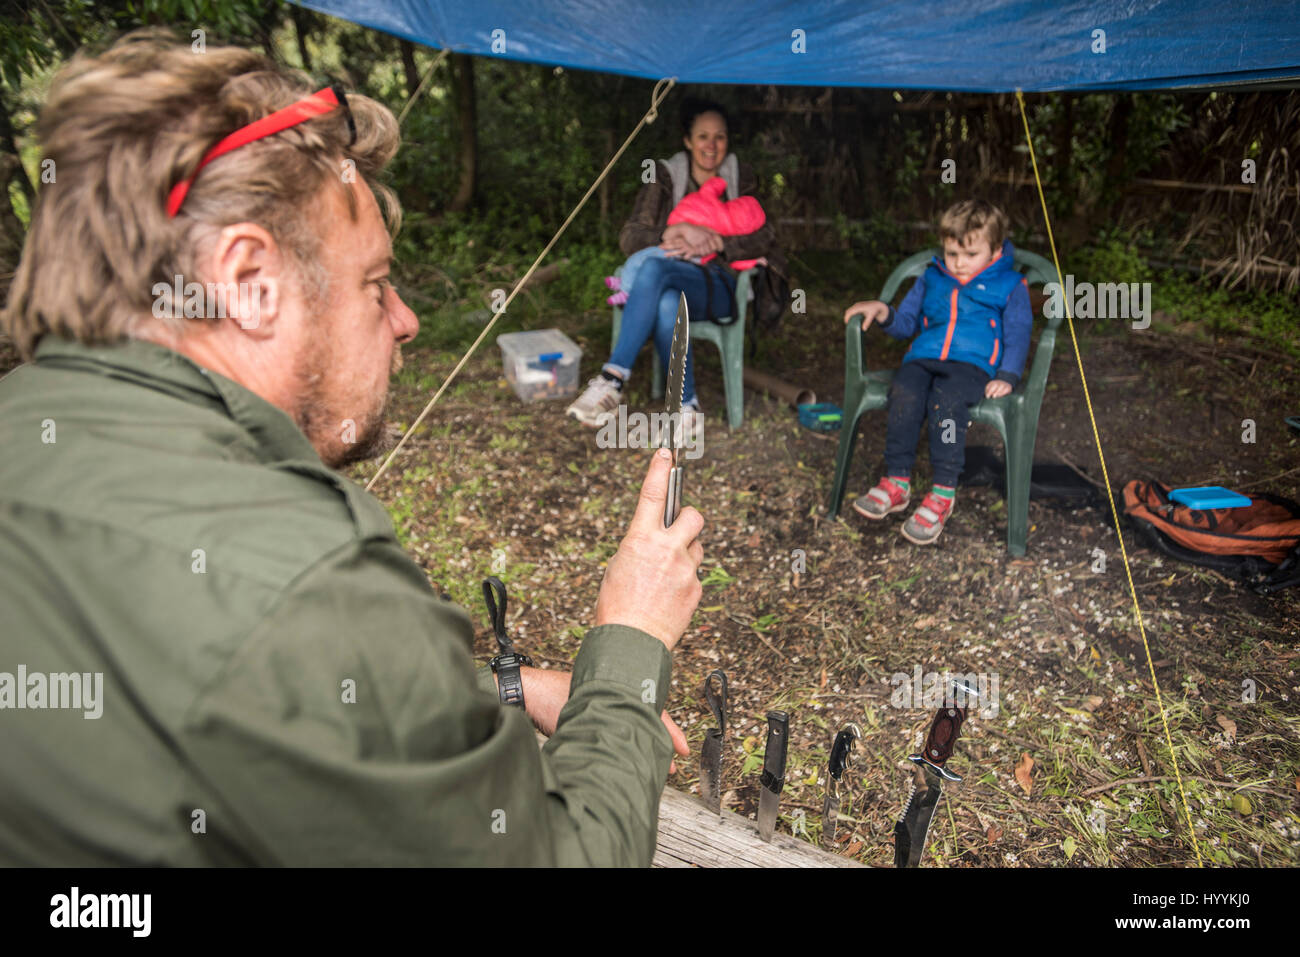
point(1015, 416)
point(730, 340)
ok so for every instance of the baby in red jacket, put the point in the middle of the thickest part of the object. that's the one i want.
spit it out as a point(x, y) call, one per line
point(705, 207)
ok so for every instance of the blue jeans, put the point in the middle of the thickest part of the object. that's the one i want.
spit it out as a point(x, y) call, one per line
point(651, 310)
point(632, 266)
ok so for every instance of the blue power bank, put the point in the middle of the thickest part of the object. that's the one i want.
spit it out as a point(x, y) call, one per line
point(1208, 496)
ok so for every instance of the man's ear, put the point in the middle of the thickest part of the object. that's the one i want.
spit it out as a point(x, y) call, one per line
point(251, 274)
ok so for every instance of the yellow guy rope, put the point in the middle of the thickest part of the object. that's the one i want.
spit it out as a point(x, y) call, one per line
point(656, 99)
point(1109, 494)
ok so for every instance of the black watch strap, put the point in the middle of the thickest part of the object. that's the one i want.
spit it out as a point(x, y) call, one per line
point(510, 684)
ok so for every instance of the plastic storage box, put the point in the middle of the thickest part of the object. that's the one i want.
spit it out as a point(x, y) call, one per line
point(540, 363)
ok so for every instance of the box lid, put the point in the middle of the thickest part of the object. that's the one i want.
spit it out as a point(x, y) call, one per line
point(533, 345)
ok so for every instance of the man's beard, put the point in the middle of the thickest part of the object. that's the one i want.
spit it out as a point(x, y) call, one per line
point(339, 440)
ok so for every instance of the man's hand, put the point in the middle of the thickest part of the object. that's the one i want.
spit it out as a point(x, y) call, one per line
point(872, 310)
point(545, 693)
point(996, 388)
point(651, 583)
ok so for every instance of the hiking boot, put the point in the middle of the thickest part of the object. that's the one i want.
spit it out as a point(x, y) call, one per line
point(885, 499)
point(601, 398)
point(927, 522)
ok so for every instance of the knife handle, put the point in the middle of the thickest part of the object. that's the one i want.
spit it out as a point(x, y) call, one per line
point(778, 734)
point(943, 735)
point(673, 501)
point(842, 750)
point(717, 700)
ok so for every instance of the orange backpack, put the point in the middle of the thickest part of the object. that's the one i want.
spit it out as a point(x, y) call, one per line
point(1259, 542)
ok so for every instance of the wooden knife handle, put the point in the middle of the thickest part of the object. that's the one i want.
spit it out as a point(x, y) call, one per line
point(943, 735)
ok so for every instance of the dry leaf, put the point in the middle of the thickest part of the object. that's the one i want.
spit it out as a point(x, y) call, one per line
point(994, 833)
point(852, 849)
point(795, 581)
point(1023, 776)
point(823, 684)
point(1093, 703)
point(1228, 725)
point(754, 540)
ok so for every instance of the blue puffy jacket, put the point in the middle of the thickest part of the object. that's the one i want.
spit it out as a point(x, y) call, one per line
point(985, 322)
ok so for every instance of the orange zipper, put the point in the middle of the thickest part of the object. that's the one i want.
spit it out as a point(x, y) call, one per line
point(952, 324)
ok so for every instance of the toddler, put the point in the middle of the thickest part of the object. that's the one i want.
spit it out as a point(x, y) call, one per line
point(971, 319)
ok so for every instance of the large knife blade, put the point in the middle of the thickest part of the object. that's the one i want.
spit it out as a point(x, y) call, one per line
point(711, 753)
point(773, 778)
point(911, 830)
point(673, 436)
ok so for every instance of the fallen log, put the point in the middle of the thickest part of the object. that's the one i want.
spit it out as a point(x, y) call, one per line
point(792, 394)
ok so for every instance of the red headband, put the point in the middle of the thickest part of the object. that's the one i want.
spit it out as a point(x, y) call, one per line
point(322, 101)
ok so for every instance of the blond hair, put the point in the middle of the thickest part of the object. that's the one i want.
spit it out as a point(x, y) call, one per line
point(122, 128)
point(974, 216)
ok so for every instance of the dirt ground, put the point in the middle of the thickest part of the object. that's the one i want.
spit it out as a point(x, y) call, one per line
point(491, 483)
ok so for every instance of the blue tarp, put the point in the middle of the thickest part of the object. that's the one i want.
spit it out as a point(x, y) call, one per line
point(977, 45)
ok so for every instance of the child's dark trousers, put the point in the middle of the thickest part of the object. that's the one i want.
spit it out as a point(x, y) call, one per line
point(942, 392)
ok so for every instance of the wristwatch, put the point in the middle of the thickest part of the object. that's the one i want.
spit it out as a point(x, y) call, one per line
point(505, 665)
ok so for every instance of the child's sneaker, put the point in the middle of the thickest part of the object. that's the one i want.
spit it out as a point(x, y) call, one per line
point(885, 499)
point(613, 282)
point(618, 299)
point(926, 523)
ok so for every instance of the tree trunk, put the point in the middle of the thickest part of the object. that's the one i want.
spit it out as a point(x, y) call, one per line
point(1116, 163)
point(603, 192)
point(462, 71)
point(1065, 144)
point(300, 30)
point(409, 68)
point(9, 144)
point(11, 229)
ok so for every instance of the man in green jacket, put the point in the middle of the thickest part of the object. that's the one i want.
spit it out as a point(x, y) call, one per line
point(212, 648)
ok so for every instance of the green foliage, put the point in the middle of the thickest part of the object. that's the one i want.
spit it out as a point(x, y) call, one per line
point(1115, 256)
point(717, 577)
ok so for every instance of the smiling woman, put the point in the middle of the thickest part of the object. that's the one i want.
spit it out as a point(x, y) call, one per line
point(680, 258)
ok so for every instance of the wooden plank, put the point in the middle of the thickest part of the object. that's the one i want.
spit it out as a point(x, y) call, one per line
point(691, 836)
